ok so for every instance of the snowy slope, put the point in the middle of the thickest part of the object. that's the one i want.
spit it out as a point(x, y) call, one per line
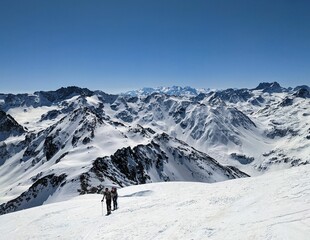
point(253, 129)
point(74, 141)
point(273, 206)
point(85, 151)
point(256, 130)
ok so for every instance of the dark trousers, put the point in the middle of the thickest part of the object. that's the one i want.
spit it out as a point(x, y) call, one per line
point(114, 203)
point(108, 202)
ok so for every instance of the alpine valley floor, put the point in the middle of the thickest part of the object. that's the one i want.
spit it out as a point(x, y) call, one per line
point(273, 206)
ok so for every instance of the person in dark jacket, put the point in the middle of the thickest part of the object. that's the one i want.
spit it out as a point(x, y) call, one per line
point(114, 197)
point(108, 196)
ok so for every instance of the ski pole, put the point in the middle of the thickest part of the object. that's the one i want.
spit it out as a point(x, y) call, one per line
point(102, 208)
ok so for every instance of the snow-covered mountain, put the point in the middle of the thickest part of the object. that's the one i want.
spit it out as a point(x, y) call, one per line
point(254, 129)
point(58, 144)
point(174, 90)
point(272, 206)
point(8, 126)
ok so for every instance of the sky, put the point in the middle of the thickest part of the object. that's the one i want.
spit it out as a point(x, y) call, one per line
point(120, 45)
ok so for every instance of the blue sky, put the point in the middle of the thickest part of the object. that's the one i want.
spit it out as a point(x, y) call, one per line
point(118, 45)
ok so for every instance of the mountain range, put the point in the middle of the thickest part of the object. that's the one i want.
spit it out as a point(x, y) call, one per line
point(59, 144)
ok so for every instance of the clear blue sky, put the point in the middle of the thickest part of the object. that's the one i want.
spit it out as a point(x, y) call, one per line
point(117, 45)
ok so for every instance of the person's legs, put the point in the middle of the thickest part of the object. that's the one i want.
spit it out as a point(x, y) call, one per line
point(108, 206)
point(114, 203)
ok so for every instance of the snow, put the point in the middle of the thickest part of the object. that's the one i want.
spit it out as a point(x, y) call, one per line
point(93, 100)
point(273, 206)
point(201, 119)
point(30, 116)
point(205, 125)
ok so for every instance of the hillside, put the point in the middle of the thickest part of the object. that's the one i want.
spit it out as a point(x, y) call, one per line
point(273, 206)
point(59, 144)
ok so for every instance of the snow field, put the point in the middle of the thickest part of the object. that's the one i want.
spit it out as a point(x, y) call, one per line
point(273, 206)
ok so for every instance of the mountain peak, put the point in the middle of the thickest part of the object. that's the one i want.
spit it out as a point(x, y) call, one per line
point(65, 93)
point(302, 93)
point(269, 87)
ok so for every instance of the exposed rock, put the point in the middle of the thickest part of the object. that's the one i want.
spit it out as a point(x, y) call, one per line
point(9, 127)
point(273, 87)
point(35, 195)
point(242, 158)
point(302, 93)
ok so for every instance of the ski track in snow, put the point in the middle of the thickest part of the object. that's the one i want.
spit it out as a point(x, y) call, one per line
point(273, 206)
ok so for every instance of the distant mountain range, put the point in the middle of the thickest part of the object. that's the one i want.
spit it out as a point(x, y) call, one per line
point(174, 90)
point(57, 144)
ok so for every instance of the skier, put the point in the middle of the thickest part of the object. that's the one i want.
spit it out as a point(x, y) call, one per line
point(108, 196)
point(114, 197)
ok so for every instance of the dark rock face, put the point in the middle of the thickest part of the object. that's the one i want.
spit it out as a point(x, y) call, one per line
point(11, 100)
point(280, 132)
point(302, 93)
point(50, 147)
point(32, 141)
point(270, 87)
point(3, 153)
point(64, 93)
point(35, 195)
point(151, 163)
point(242, 158)
point(125, 116)
point(302, 87)
point(230, 95)
point(8, 126)
point(287, 102)
point(180, 112)
point(50, 115)
point(277, 157)
point(308, 136)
